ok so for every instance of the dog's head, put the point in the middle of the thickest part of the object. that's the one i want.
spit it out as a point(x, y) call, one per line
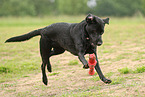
point(95, 28)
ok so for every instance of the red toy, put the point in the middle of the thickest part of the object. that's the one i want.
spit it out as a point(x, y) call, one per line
point(92, 63)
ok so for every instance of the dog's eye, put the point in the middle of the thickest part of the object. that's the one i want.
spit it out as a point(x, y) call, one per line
point(101, 33)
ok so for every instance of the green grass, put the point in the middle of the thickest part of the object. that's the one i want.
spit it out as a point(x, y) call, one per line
point(73, 62)
point(124, 70)
point(4, 70)
point(118, 80)
point(140, 69)
point(52, 74)
point(94, 78)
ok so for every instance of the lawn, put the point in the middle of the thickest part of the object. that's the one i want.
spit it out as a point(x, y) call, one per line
point(122, 59)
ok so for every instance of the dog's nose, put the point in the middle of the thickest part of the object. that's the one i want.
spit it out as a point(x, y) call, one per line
point(99, 43)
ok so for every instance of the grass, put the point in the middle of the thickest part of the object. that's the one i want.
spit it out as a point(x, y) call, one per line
point(124, 70)
point(140, 69)
point(4, 70)
point(118, 80)
point(73, 62)
point(94, 78)
point(121, 59)
point(52, 74)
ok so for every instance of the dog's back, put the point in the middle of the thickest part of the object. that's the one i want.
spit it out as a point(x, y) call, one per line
point(62, 34)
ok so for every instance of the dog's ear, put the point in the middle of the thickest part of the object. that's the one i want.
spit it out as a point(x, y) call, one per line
point(90, 19)
point(106, 21)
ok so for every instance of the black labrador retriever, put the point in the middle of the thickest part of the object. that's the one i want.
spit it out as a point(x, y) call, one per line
point(77, 38)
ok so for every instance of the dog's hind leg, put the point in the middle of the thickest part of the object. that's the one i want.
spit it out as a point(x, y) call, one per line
point(49, 66)
point(44, 77)
point(45, 50)
point(55, 51)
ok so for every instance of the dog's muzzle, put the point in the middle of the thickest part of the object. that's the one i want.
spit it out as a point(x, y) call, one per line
point(99, 43)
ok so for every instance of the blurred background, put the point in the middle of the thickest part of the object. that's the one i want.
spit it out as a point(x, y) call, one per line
point(117, 8)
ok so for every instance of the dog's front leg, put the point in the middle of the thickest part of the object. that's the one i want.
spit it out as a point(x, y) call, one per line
point(83, 60)
point(102, 77)
point(81, 52)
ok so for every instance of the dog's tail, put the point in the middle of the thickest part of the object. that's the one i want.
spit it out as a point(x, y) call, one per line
point(24, 37)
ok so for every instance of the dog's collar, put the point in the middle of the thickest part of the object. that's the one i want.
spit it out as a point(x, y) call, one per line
point(87, 37)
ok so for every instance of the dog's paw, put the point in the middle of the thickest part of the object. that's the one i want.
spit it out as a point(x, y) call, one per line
point(45, 80)
point(49, 68)
point(107, 81)
point(86, 66)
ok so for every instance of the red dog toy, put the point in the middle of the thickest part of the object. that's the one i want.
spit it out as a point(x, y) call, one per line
point(92, 63)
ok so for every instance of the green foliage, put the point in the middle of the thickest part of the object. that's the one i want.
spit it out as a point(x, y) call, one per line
point(71, 7)
point(17, 8)
point(43, 7)
point(119, 7)
point(25, 7)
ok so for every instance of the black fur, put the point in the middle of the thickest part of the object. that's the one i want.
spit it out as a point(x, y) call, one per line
point(77, 38)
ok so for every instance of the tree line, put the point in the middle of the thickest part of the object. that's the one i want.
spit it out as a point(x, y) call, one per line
point(71, 7)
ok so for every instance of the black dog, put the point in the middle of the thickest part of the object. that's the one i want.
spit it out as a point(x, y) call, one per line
point(78, 38)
